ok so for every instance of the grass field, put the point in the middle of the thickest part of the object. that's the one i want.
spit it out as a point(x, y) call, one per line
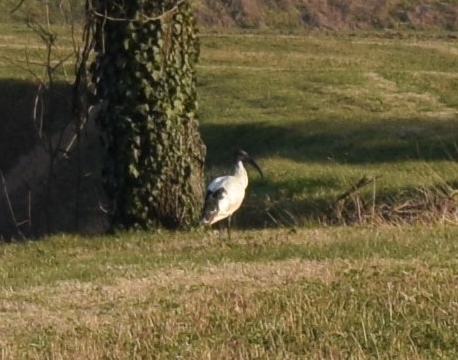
point(321, 112)
point(318, 112)
point(345, 292)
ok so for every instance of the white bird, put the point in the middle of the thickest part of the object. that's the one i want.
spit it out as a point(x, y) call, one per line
point(225, 193)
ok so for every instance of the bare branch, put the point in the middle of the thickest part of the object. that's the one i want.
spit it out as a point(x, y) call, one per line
point(355, 188)
point(17, 6)
point(10, 206)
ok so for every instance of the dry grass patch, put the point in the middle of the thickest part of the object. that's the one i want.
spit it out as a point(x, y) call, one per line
point(271, 310)
point(383, 95)
point(65, 304)
point(271, 294)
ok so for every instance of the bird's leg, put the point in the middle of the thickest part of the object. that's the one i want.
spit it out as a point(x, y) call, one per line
point(229, 227)
point(220, 226)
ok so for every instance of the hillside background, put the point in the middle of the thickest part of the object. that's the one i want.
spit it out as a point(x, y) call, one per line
point(329, 14)
point(281, 14)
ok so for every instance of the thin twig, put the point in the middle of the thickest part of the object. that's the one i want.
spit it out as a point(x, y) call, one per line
point(17, 6)
point(7, 197)
point(10, 206)
point(355, 188)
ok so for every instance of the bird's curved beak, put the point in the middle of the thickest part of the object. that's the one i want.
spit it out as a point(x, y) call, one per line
point(253, 163)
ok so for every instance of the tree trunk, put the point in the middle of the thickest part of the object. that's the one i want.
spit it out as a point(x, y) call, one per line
point(144, 79)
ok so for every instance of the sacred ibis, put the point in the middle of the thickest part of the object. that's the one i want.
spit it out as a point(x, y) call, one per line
point(225, 193)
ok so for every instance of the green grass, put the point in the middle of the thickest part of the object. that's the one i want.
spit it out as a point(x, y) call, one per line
point(361, 292)
point(23, 54)
point(318, 112)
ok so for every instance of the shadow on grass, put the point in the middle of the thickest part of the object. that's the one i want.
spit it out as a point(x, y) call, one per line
point(18, 130)
point(283, 203)
point(33, 200)
point(17, 133)
point(314, 141)
point(436, 204)
point(354, 143)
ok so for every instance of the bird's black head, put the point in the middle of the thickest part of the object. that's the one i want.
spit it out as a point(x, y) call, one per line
point(242, 155)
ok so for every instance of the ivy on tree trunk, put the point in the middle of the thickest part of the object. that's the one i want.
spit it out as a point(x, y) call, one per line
point(144, 80)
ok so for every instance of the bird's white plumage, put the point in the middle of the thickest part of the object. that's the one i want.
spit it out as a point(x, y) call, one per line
point(225, 193)
point(234, 191)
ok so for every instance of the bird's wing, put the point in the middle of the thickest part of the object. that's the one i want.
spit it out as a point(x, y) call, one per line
point(224, 196)
point(211, 206)
point(216, 184)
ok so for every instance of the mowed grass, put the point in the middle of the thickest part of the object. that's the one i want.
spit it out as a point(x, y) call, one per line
point(322, 111)
point(23, 54)
point(318, 112)
point(353, 292)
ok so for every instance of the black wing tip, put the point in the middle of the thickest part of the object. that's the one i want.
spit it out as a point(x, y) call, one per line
point(211, 208)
